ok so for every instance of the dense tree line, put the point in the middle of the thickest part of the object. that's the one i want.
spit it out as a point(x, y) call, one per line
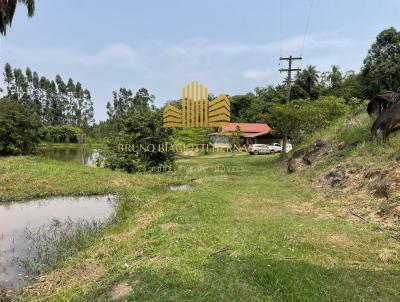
point(54, 101)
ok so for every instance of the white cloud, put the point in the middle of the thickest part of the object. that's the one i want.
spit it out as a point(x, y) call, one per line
point(165, 67)
point(254, 74)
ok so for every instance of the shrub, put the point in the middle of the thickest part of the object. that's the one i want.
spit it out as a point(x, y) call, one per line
point(191, 135)
point(19, 129)
point(62, 134)
point(299, 118)
point(141, 128)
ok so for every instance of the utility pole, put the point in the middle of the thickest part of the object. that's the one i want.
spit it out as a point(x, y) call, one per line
point(289, 70)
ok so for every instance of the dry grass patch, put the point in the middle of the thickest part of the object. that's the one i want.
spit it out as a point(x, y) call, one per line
point(387, 256)
point(340, 240)
point(168, 225)
point(141, 221)
point(121, 290)
point(83, 275)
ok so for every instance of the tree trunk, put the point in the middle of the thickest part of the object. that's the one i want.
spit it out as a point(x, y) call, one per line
point(284, 143)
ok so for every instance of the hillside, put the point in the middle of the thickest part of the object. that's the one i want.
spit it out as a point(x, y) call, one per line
point(357, 175)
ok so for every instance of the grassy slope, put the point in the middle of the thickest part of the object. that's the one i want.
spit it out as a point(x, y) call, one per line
point(253, 235)
point(370, 167)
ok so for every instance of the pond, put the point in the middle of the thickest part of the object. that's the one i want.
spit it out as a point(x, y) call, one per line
point(83, 156)
point(19, 217)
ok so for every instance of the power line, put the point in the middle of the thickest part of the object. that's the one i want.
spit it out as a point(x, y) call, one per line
point(280, 27)
point(306, 31)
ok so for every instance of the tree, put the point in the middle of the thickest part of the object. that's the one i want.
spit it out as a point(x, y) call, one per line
point(240, 105)
point(301, 117)
point(19, 128)
point(70, 92)
point(143, 100)
point(36, 94)
point(62, 99)
point(306, 84)
point(7, 11)
point(141, 128)
point(335, 77)
point(9, 80)
point(124, 102)
point(381, 69)
point(21, 86)
point(55, 102)
point(87, 111)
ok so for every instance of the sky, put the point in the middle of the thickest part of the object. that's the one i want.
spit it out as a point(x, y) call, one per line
point(231, 46)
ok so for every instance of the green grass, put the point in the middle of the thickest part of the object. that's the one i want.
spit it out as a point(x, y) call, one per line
point(251, 233)
point(354, 131)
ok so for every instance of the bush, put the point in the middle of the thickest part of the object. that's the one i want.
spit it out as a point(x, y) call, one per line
point(141, 128)
point(191, 135)
point(62, 134)
point(19, 129)
point(302, 117)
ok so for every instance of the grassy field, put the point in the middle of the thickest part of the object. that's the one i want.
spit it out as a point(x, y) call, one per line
point(246, 231)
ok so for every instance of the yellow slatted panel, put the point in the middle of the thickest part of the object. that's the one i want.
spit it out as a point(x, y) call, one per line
point(197, 110)
point(206, 106)
point(172, 108)
point(172, 119)
point(219, 112)
point(222, 104)
point(172, 125)
point(192, 104)
point(197, 113)
point(187, 106)
point(183, 107)
point(172, 113)
point(201, 106)
point(221, 124)
point(218, 100)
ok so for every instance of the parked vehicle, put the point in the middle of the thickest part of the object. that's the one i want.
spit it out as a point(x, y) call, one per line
point(277, 148)
point(256, 149)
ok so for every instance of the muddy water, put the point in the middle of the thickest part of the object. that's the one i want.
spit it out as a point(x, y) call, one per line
point(16, 217)
point(83, 156)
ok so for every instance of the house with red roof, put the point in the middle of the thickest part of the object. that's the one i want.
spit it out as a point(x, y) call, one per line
point(250, 133)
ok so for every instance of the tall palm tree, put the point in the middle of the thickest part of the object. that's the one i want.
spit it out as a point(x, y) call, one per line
point(7, 11)
point(310, 77)
point(335, 77)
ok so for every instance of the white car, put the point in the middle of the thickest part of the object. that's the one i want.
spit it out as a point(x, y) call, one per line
point(277, 148)
point(256, 149)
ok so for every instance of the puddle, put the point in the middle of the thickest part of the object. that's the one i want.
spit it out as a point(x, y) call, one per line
point(181, 188)
point(16, 218)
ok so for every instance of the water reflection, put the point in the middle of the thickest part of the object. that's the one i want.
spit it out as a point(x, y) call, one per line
point(83, 156)
point(16, 217)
